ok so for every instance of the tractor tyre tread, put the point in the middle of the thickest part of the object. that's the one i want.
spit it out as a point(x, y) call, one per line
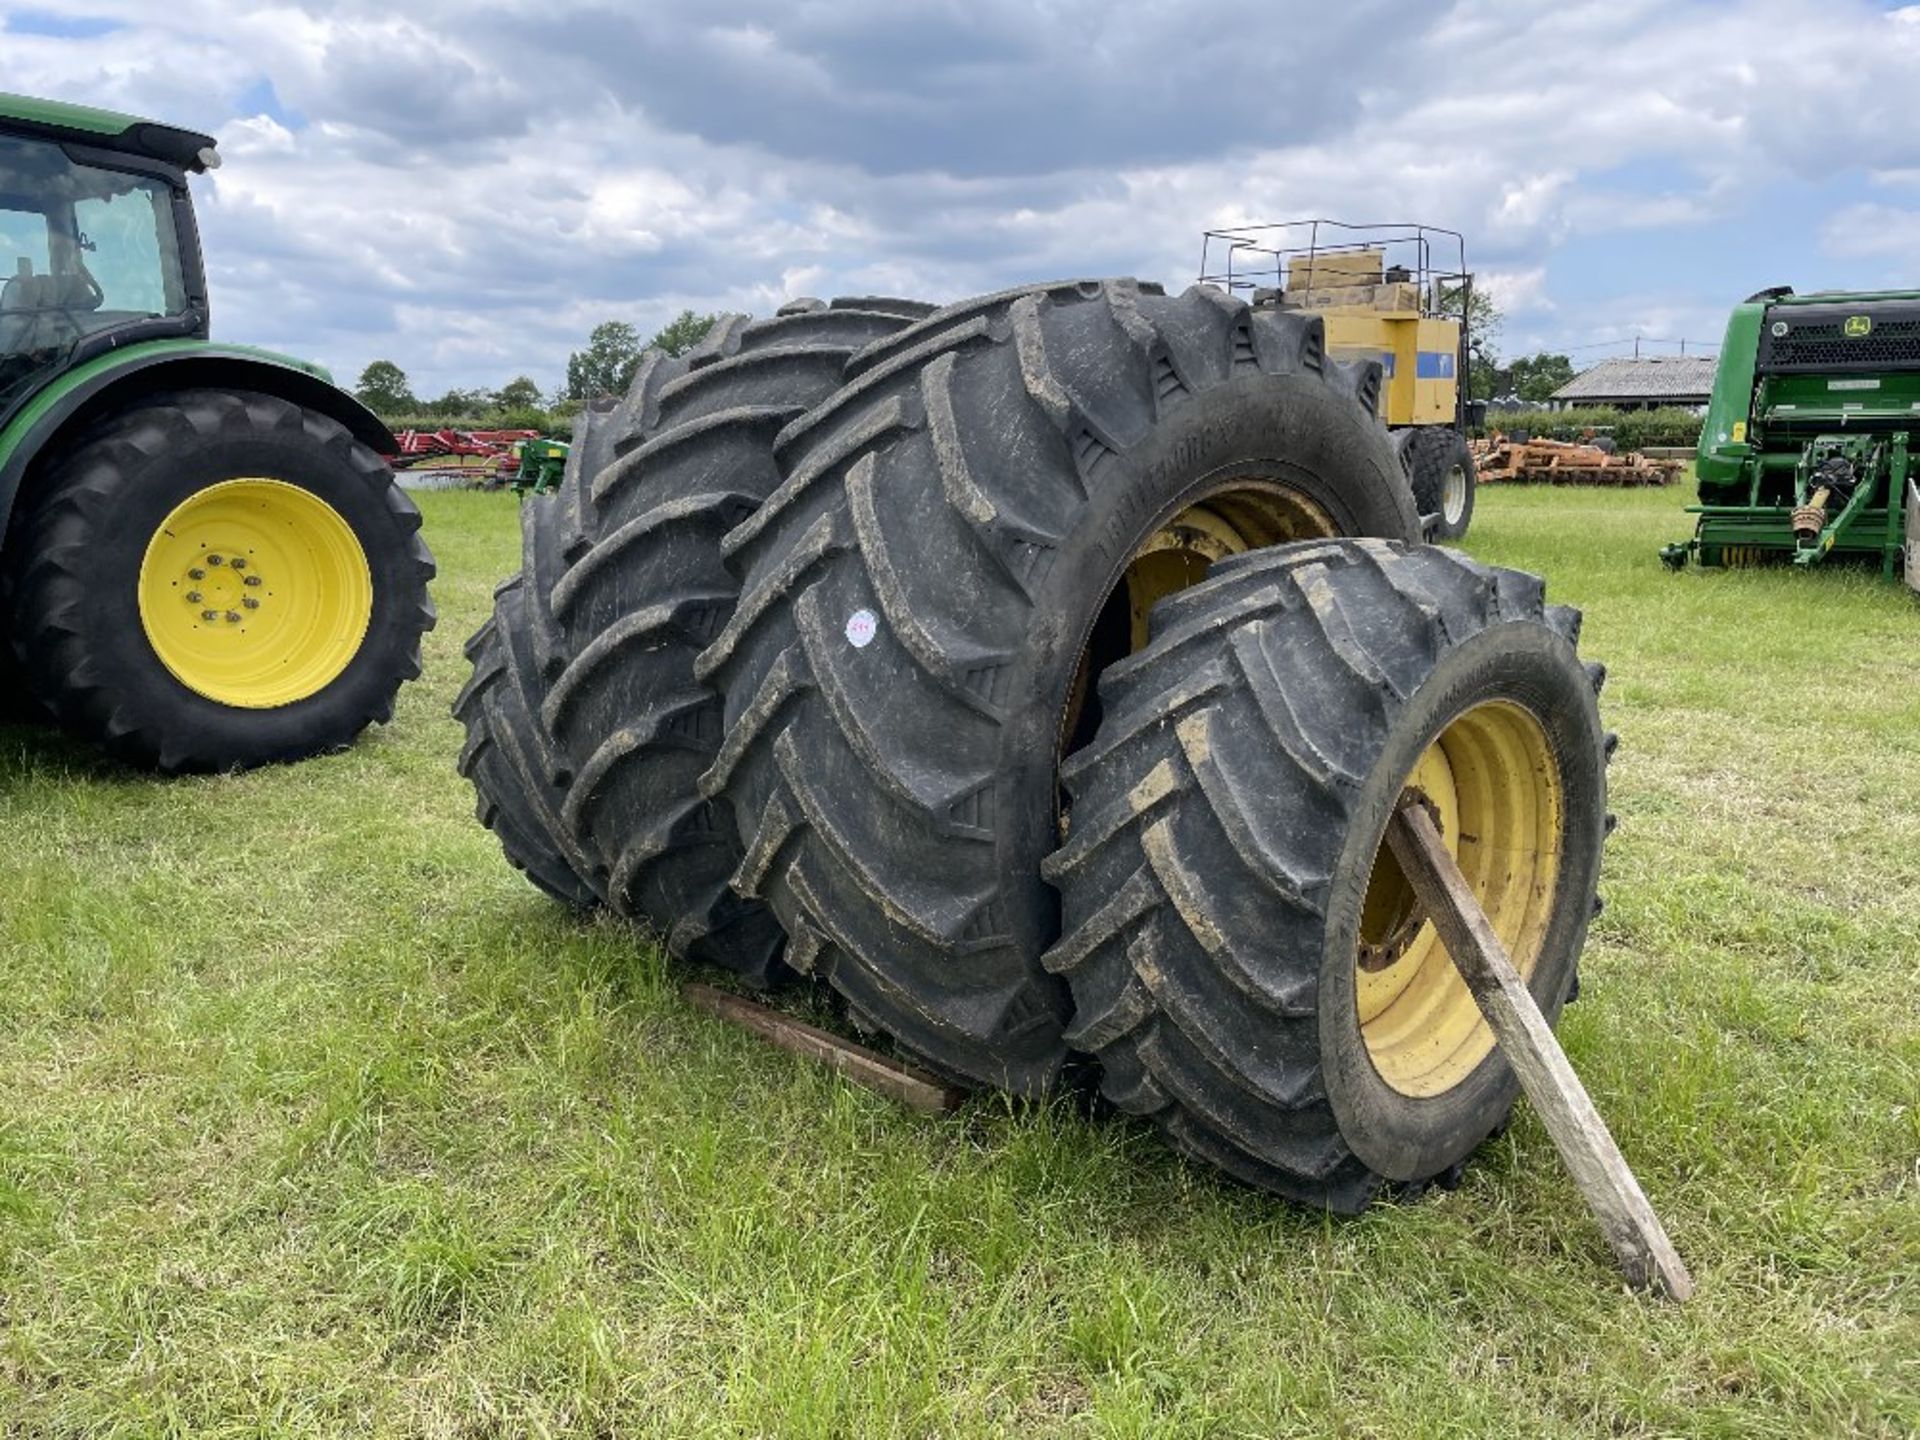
point(1215, 815)
point(622, 611)
point(896, 669)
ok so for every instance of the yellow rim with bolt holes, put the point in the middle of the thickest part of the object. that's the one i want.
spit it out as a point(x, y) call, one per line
point(255, 593)
point(1493, 786)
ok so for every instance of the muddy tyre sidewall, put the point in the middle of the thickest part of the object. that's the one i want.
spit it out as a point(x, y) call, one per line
point(1315, 443)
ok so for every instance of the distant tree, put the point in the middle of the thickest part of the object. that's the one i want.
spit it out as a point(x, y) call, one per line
point(1483, 319)
point(519, 393)
point(383, 389)
point(1536, 377)
point(682, 333)
point(461, 404)
point(606, 366)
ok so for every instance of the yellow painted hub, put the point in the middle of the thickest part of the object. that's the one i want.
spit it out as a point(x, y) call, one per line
point(1243, 515)
point(1493, 784)
point(255, 593)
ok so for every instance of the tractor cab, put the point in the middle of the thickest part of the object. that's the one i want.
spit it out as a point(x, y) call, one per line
point(97, 242)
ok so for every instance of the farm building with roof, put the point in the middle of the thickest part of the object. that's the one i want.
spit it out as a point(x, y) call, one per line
point(1632, 383)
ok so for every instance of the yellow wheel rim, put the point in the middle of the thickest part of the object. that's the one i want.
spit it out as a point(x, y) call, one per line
point(255, 593)
point(1492, 783)
point(1242, 515)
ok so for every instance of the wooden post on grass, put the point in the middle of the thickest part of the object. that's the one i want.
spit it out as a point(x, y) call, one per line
point(913, 1088)
point(1638, 1239)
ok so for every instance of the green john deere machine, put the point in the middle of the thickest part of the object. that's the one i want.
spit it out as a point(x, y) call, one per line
point(205, 563)
point(1806, 453)
point(539, 465)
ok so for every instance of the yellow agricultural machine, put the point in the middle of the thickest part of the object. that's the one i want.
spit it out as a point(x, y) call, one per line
point(1394, 294)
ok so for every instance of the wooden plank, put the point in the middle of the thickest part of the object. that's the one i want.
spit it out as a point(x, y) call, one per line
point(913, 1088)
point(1638, 1239)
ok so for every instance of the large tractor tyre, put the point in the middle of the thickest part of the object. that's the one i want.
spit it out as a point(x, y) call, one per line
point(213, 580)
point(619, 608)
point(1440, 464)
point(967, 533)
point(1247, 962)
point(508, 757)
point(637, 604)
point(602, 436)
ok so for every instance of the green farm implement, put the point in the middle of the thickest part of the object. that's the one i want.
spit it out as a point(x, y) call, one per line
point(538, 465)
point(1807, 451)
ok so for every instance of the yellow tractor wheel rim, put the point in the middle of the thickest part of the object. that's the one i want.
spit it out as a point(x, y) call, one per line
point(255, 593)
point(1493, 785)
point(1242, 515)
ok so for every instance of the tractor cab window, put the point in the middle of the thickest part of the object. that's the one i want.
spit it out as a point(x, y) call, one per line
point(82, 250)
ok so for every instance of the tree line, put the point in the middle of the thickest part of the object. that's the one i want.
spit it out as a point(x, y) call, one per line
point(1532, 378)
point(604, 367)
point(606, 364)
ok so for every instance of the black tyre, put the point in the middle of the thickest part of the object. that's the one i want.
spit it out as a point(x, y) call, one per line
point(213, 580)
point(966, 533)
point(508, 757)
point(1440, 464)
point(649, 591)
point(1246, 960)
point(623, 584)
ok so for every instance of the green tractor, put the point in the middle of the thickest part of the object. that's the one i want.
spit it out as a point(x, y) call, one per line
point(1806, 450)
point(206, 564)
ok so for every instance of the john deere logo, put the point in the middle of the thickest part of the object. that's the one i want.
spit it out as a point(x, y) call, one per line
point(1858, 327)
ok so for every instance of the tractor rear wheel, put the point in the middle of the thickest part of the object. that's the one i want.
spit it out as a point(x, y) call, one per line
point(622, 583)
point(1440, 465)
point(645, 589)
point(966, 533)
point(215, 580)
point(1246, 960)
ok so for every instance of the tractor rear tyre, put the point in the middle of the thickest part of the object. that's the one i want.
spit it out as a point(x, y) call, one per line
point(213, 580)
point(1440, 464)
point(508, 757)
point(966, 534)
point(622, 584)
point(1247, 962)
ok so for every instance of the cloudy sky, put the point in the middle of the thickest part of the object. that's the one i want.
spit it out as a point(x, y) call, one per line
point(468, 190)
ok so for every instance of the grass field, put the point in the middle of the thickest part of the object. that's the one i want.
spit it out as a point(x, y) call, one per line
point(315, 1119)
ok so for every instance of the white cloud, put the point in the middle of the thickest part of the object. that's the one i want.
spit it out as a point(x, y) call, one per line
point(468, 190)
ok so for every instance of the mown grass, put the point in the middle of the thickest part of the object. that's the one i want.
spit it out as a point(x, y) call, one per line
point(315, 1119)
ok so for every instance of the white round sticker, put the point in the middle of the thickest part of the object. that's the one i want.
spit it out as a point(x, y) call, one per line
point(862, 626)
